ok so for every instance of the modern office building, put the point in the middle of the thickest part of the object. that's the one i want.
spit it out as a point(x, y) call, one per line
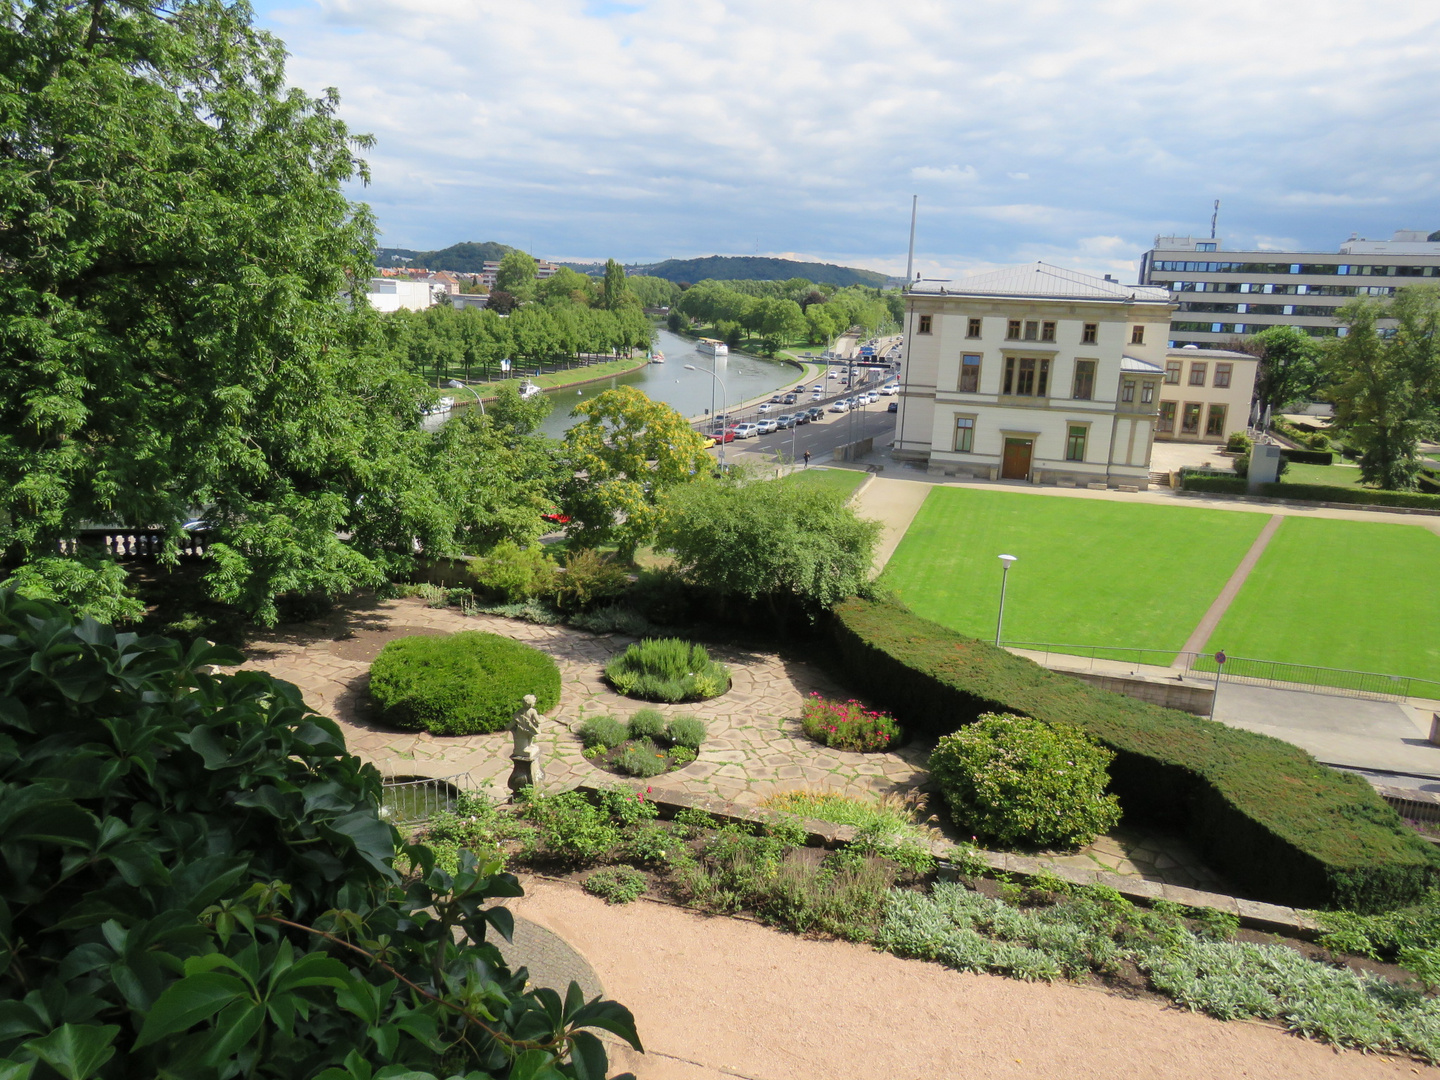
point(1223, 294)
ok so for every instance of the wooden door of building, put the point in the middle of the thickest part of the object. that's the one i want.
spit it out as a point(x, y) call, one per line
point(1016, 463)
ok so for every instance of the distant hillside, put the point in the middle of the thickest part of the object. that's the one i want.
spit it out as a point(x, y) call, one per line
point(469, 258)
point(751, 268)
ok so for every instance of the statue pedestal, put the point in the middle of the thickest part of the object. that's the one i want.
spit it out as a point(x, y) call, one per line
point(525, 772)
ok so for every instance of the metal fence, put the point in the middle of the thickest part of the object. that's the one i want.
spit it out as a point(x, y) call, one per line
point(408, 800)
point(1276, 674)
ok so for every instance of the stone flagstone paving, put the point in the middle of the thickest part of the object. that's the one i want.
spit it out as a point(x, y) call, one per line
point(753, 749)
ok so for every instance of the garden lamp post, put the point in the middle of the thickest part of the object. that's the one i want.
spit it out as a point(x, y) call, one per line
point(456, 384)
point(723, 406)
point(1005, 561)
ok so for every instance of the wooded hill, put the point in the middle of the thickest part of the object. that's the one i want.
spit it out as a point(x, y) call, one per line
point(754, 268)
point(467, 258)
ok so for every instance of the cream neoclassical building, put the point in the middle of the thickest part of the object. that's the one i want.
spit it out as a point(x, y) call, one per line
point(1033, 373)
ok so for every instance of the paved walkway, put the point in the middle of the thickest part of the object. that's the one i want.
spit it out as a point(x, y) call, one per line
point(755, 747)
point(1216, 612)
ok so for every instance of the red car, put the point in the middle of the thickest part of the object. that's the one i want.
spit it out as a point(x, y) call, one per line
point(556, 519)
point(728, 435)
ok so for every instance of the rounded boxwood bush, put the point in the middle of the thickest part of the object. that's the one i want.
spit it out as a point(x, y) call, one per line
point(468, 683)
point(667, 669)
point(1017, 780)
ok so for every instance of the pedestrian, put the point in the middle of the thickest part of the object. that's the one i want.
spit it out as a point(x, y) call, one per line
point(807, 459)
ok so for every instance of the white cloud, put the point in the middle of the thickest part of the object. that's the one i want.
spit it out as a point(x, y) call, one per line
point(694, 126)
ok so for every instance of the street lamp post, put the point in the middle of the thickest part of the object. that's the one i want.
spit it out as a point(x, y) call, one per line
point(724, 407)
point(1005, 561)
point(455, 384)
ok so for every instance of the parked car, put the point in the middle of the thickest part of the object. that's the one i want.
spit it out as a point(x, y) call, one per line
point(841, 406)
point(746, 431)
point(556, 518)
point(802, 417)
point(870, 397)
point(766, 427)
point(894, 406)
point(815, 412)
point(890, 389)
point(728, 435)
point(706, 442)
point(786, 421)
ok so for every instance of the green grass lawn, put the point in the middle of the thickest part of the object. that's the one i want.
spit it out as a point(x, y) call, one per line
point(1328, 475)
point(1090, 571)
point(845, 481)
point(1343, 594)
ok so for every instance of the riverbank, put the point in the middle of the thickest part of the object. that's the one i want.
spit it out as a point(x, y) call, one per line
point(560, 380)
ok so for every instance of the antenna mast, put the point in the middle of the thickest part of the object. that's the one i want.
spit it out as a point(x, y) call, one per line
point(910, 259)
point(1213, 218)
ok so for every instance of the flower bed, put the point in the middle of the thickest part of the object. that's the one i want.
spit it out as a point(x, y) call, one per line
point(667, 669)
point(647, 746)
point(848, 725)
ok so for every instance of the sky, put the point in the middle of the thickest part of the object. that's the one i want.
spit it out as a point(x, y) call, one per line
point(1069, 132)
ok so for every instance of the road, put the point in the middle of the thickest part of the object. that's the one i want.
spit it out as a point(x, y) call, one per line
point(821, 438)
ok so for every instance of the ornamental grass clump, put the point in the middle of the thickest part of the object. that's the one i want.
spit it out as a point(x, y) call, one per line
point(848, 725)
point(1015, 780)
point(667, 669)
point(468, 683)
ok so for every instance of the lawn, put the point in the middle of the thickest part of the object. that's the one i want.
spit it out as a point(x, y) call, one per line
point(1090, 571)
point(844, 481)
point(1328, 475)
point(1343, 594)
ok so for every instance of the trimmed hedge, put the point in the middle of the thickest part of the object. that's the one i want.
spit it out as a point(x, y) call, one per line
point(1308, 457)
point(1268, 816)
point(468, 683)
point(1314, 492)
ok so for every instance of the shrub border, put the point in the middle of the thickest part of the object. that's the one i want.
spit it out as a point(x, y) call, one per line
point(1260, 811)
point(1341, 498)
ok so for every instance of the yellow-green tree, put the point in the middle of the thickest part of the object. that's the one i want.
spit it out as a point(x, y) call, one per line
point(626, 453)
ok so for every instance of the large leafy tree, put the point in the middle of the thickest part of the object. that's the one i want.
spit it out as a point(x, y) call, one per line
point(1289, 369)
point(624, 455)
point(198, 882)
point(516, 275)
point(1386, 387)
point(789, 546)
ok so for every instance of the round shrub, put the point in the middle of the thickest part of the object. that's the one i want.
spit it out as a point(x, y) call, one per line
point(686, 731)
point(667, 669)
point(468, 683)
point(1017, 780)
point(603, 731)
point(647, 724)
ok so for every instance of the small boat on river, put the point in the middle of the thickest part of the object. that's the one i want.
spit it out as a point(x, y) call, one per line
point(657, 357)
point(528, 390)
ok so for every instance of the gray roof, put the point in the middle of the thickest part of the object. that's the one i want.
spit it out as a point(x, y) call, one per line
point(1222, 353)
point(1144, 367)
point(1042, 281)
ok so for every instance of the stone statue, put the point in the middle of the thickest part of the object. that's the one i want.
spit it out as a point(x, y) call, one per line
point(524, 729)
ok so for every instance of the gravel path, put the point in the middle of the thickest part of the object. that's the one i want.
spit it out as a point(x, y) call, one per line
point(719, 998)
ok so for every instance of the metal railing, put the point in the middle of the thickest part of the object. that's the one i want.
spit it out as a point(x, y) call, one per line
point(1249, 671)
point(415, 800)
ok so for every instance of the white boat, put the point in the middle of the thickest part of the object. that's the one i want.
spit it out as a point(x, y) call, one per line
point(657, 357)
point(444, 405)
point(712, 346)
point(528, 390)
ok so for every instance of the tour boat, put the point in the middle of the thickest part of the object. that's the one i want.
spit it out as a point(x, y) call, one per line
point(528, 390)
point(712, 346)
point(657, 357)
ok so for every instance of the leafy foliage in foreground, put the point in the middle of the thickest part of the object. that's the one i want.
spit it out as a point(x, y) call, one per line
point(461, 684)
point(197, 883)
point(1260, 811)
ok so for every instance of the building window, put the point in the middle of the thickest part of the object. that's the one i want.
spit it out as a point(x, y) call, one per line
point(1215, 421)
point(1075, 443)
point(964, 434)
point(1026, 376)
point(1127, 390)
point(970, 373)
point(1147, 392)
point(1084, 380)
point(1091, 334)
point(1167, 417)
point(1012, 330)
point(1172, 372)
point(1047, 331)
point(1137, 335)
point(925, 324)
point(972, 328)
point(1222, 374)
point(1032, 331)
point(1197, 374)
point(1190, 419)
